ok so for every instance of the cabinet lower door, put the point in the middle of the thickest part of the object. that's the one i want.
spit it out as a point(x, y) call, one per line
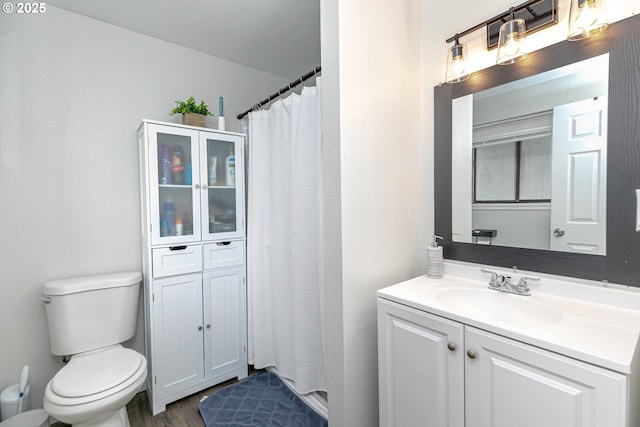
point(225, 321)
point(177, 333)
point(514, 384)
point(420, 359)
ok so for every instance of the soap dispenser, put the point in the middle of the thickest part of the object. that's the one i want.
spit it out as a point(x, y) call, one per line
point(434, 259)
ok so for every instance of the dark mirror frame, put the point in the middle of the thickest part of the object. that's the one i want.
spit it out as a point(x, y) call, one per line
point(622, 262)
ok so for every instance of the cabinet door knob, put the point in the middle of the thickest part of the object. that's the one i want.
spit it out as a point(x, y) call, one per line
point(451, 346)
point(471, 354)
point(197, 186)
point(200, 327)
point(208, 325)
point(204, 186)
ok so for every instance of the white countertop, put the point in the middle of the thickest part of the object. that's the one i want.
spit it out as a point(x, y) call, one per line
point(598, 323)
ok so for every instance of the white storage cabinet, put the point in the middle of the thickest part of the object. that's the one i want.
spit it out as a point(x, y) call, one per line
point(192, 189)
point(434, 371)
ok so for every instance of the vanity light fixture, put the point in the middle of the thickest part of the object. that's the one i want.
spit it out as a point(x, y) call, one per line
point(587, 18)
point(513, 25)
point(511, 43)
point(457, 68)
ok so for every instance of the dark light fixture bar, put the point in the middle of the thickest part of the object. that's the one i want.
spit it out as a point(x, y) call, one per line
point(537, 14)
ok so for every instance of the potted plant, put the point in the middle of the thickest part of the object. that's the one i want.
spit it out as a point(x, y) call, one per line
point(192, 114)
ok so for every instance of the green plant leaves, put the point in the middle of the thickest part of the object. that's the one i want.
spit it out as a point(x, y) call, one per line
point(190, 106)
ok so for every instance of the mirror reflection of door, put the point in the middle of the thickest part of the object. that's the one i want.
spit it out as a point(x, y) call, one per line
point(578, 208)
point(508, 187)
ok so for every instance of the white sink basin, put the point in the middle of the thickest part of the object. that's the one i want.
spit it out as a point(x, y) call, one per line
point(585, 320)
point(499, 306)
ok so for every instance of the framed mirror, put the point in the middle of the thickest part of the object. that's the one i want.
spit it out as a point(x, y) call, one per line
point(614, 254)
point(529, 161)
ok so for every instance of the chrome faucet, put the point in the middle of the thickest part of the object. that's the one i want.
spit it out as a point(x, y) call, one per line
point(503, 283)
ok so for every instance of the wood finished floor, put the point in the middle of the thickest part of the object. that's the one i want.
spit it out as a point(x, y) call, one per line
point(181, 413)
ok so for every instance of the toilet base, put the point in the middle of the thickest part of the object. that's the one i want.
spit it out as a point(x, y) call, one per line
point(119, 419)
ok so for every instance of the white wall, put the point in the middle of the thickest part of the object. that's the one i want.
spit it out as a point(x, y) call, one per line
point(371, 56)
point(72, 93)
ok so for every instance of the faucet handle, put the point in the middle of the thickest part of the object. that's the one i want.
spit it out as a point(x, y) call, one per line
point(496, 279)
point(522, 283)
point(494, 275)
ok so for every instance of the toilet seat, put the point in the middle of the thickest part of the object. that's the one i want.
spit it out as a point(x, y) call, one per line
point(94, 375)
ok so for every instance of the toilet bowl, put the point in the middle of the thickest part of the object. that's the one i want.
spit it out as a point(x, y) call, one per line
point(94, 387)
point(89, 317)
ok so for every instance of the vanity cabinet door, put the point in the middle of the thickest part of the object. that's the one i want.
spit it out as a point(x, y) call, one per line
point(421, 377)
point(509, 383)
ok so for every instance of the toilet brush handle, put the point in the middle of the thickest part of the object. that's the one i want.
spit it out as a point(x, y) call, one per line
point(24, 377)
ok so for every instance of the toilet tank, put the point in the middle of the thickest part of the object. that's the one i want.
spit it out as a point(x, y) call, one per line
point(91, 312)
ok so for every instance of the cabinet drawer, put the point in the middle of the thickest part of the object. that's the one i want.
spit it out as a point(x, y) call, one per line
point(223, 254)
point(177, 260)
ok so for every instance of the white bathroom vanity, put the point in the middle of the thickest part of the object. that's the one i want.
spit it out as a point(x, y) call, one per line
point(454, 353)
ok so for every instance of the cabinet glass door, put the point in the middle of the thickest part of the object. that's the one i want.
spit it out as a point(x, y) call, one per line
point(174, 188)
point(222, 175)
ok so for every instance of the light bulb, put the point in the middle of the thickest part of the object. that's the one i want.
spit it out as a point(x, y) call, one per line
point(586, 16)
point(458, 66)
point(512, 46)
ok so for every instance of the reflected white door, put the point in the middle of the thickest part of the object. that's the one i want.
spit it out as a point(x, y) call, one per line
point(578, 183)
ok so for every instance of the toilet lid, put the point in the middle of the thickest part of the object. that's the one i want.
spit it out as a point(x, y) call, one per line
point(95, 372)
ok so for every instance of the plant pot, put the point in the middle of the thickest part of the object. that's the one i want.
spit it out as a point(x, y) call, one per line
point(193, 119)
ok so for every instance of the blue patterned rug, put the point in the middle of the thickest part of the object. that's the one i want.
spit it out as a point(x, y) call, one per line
point(260, 400)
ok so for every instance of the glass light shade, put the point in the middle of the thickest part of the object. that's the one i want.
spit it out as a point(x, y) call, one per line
point(511, 42)
point(587, 18)
point(457, 68)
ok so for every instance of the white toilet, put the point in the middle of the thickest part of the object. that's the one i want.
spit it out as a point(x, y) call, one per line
point(88, 319)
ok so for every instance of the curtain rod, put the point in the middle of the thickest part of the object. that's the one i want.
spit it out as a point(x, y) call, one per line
point(281, 91)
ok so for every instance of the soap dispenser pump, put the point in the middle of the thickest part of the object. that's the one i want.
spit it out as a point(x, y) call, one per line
point(434, 259)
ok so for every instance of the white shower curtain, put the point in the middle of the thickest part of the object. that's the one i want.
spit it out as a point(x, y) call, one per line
point(284, 241)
